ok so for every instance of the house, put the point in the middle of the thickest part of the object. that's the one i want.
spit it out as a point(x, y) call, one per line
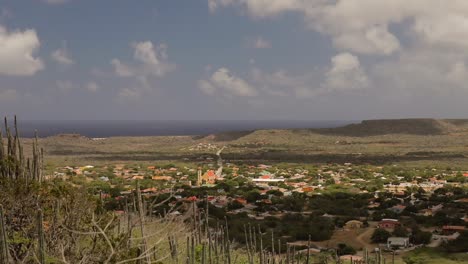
point(397, 242)
point(388, 223)
point(354, 224)
point(149, 190)
point(267, 178)
point(448, 230)
point(398, 209)
point(162, 178)
point(209, 177)
point(241, 200)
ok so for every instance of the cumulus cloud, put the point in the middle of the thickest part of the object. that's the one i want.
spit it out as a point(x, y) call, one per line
point(407, 46)
point(150, 61)
point(362, 26)
point(345, 74)
point(17, 50)
point(62, 56)
point(121, 69)
point(225, 82)
point(423, 69)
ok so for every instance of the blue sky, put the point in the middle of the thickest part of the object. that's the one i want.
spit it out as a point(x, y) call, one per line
point(233, 59)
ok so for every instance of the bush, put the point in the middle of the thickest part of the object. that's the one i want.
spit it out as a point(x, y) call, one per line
point(400, 232)
point(420, 237)
point(380, 236)
point(344, 249)
point(458, 245)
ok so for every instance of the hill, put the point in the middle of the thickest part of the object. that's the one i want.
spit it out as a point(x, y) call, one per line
point(415, 126)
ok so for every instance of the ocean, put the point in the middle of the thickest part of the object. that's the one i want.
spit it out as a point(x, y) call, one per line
point(101, 129)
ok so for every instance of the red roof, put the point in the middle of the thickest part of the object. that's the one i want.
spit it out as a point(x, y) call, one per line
point(241, 200)
point(458, 228)
point(210, 174)
point(192, 199)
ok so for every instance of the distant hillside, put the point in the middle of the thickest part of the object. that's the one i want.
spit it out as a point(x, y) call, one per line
point(415, 126)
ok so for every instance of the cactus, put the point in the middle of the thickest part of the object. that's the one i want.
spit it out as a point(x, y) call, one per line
point(40, 234)
point(14, 164)
point(3, 239)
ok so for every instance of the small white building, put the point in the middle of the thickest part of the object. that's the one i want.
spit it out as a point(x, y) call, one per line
point(397, 242)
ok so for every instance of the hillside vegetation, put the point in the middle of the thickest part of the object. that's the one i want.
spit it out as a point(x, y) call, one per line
point(400, 126)
point(371, 141)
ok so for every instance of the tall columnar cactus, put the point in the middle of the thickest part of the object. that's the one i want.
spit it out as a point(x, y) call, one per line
point(13, 164)
point(3, 239)
point(40, 234)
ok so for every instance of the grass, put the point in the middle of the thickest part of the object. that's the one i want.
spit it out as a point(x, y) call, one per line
point(434, 256)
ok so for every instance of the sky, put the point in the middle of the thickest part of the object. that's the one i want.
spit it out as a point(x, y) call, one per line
point(233, 59)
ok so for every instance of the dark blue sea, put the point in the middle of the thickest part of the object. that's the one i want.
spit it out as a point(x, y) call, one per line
point(158, 128)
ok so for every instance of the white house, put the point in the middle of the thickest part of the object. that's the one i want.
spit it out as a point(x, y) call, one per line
point(397, 242)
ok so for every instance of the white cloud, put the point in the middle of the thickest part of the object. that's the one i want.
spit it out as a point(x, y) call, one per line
point(62, 56)
point(261, 43)
point(423, 69)
point(345, 74)
point(408, 46)
point(8, 95)
point(361, 26)
point(225, 82)
point(121, 69)
point(17, 52)
point(206, 87)
point(92, 87)
point(150, 62)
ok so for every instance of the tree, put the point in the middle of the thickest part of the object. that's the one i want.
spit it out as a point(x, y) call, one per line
point(344, 249)
point(253, 196)
point(400, 231)
point(234, 206)
point(380, 235)
point(275, 193)
point(420, 237)
point(458, 245)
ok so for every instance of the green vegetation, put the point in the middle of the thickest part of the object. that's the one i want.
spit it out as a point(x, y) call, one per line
point(434, 256)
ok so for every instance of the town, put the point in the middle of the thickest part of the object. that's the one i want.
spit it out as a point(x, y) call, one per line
point(352, 209)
